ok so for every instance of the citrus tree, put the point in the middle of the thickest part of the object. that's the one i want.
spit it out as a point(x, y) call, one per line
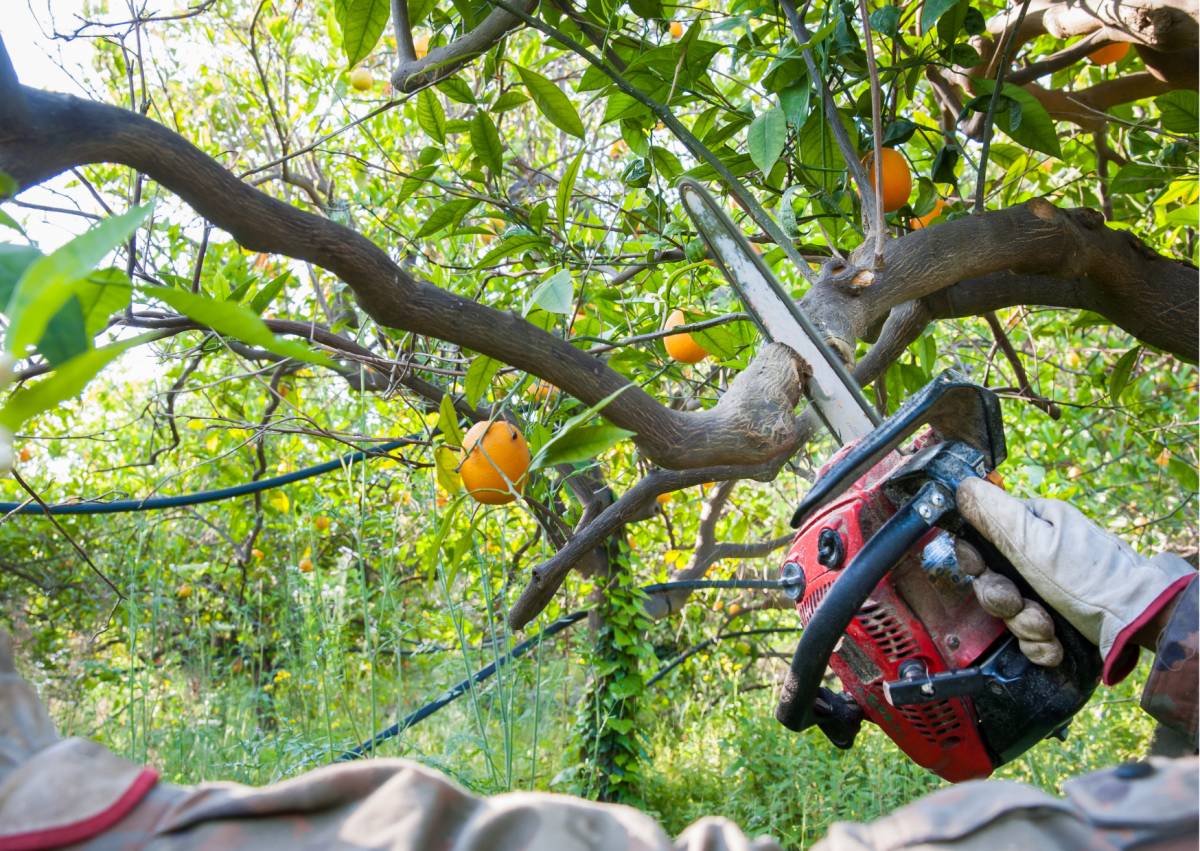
point(457, 225)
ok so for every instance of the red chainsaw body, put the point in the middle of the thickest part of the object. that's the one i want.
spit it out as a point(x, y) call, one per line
point(914, 613)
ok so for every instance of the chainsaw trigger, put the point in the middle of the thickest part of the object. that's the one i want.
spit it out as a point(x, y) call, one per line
point(838, 717)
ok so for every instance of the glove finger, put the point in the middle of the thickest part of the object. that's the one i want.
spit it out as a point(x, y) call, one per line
point(970, 561)
point(1048, 654)
point(1005, 521)
point(1032, 623)
point(998, 595)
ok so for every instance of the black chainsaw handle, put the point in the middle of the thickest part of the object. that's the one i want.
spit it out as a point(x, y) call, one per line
point(847, 595)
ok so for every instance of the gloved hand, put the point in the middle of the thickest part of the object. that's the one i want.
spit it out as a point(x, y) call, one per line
point(1095, 580)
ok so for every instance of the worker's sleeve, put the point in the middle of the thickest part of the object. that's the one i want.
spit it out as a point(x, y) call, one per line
point(1149, 804)
point(1170, 694)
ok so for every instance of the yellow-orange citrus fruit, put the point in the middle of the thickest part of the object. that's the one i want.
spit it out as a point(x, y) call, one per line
point(421, 45)
point(897, 180)
point(542, 390)
point(682, 347)
point(926, 220)
point(1164, 458)
point(1109, 54)
point(676, 29)
point(496, 455)
point(183, 591)
point(618, 149)
point(322, 523)
point(257, 553)
point(25, 454)
point(361, 79)
point(664, 498)
point(306, 565)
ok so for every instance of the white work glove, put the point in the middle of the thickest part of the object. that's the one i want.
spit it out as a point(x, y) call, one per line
point(1093, 579)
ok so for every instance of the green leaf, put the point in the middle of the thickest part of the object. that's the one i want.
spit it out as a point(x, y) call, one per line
point(70, 331)
point(485, 140)
point(898, 132)
point(456, 88)
point(943, 164)
point(445, 215)
point(14, 260)
point(1136, 178)
point(766, 137)
point(479, 377)
point(446, 461)
point(263, 298)
point(570, 425)
point(9, 221)
point(555, 293)
point(1033, 128)
point(509, 100)
point(510, 245)
point(932, 10)
point(47, 282)
point(430, 116)
point(582, 444)
point(553, 104)
point(237, 321)
point(66, 382)
point(1179, 110)
point(1185, 474)
point(562, 201)
point(1118, 379)
point(448, 421)
point(886, 20)
point(362, 23)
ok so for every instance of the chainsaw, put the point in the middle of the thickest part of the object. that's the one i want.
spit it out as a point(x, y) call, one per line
point(875, 568)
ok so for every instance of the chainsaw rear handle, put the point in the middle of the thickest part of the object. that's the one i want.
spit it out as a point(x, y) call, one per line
point(828, 624)
point(957, 409)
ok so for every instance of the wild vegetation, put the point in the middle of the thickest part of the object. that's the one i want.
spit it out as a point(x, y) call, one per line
point(262, 235)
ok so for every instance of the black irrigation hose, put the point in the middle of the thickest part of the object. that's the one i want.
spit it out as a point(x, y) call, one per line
point(159, 502)
point(709, 642)
point(461, 688)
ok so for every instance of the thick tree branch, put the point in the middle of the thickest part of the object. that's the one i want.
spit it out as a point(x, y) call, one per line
point(62, 132)
point(441, 62)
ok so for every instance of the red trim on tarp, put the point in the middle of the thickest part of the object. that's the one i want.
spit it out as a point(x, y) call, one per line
point(78, 831)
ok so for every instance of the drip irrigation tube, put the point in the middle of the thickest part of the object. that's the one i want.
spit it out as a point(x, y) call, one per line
point(566, 621)
point(154, 503)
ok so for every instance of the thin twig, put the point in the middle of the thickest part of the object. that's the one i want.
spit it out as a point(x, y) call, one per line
point(877, 134)
point(990, 118)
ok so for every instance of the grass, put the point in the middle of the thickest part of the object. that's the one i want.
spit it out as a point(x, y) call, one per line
point(715, 748)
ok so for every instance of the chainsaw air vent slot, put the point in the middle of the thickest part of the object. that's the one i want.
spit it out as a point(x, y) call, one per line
point(810, 603)
point(887, 631)
point(936, 722)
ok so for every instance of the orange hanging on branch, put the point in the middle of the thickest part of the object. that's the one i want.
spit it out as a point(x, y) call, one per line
point(897, 180)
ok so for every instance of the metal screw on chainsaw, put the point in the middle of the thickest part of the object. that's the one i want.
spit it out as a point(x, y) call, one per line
point(937, 499)
point(925, 511)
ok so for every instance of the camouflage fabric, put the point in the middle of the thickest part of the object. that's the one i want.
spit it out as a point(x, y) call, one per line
point(1170, 694)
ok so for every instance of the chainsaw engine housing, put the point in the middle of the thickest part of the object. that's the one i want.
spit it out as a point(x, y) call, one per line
point(921, 658)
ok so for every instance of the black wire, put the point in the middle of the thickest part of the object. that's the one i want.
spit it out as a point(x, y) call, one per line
point(461, 688)
point(159, 502)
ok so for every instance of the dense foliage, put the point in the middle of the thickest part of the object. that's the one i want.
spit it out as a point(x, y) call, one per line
point(249, 639)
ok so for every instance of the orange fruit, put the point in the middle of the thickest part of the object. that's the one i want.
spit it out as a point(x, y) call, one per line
point(1109, 54)
point(919, 222)
point(497, 459)
point(361, 79)
point(542, 390)
point(897, 180)
point(676, 30)
point(421, 45)
point(183, 591)
point(25, 454)
point(664, 498)
point(618, 149)
point(1164, 457)
point(306, 565)
point(257, 553)
point(322, 523)
point(681, 347)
